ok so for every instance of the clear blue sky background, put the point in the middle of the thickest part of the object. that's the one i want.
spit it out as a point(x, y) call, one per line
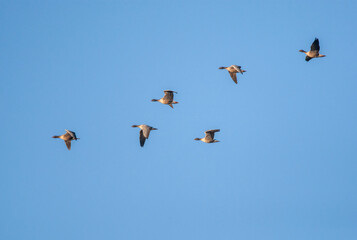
point(286, 164)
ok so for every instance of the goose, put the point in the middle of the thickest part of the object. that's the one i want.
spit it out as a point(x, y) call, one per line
point(314, 51)
point(233, 69)
point(144, 132)
point(209, 138)
point(68, 137)
point(167, 99)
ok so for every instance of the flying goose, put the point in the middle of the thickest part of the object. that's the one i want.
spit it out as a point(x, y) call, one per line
point(314, 51)
point(233, 70)
point(209, 138)
point(68, 137)
point(144, 132)
point(167, 99)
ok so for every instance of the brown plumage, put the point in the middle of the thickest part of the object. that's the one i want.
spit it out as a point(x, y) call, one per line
point(67, 137)
point(314, 51)
point(144, 132)
point(233, 70)
point(209, 137)
point(168, 98)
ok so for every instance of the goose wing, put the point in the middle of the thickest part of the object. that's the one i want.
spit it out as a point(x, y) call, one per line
point(72, 134)
point(210, 134)
point(68, 144)
point(142, 138)
point(238, 68)
point(169, 95)
point(315, 46)
point(234, 77)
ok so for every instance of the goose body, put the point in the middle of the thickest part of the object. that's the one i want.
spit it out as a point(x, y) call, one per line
point(168, 98)
point(67, 138)
point(144, 132)
point(233, 70)
point(209, 136)
point(314, 51)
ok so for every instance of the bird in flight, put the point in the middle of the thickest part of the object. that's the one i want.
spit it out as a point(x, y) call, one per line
point(68, 137)
point(233, 70)
point(144, 132)
point(209, 137)
point(168, 98)
point(314, 51)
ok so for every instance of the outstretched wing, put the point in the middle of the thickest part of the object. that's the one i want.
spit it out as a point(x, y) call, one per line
point(169, 95)
point(238, 68)
point(142, 138)
point(68, 144)
point(234, 77)
point(210, 134)
point(315, 46)
point(73, 134)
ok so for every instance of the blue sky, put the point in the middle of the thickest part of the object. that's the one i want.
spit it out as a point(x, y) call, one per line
point(286, 164)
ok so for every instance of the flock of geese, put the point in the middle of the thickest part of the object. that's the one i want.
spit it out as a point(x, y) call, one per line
point(168, 99)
